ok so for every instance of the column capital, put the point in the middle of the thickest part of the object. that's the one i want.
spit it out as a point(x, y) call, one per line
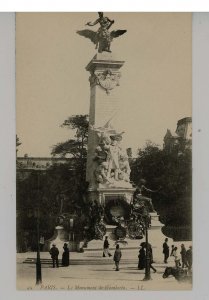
point(104, 61)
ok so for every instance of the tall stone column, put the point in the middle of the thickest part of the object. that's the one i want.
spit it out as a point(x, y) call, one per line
point(104, 100)
point(104, 106)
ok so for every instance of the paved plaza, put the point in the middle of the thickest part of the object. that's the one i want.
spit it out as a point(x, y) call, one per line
point(90, 271)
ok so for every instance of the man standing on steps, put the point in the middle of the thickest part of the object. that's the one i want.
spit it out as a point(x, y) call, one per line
point(54, 255)
point(106, 248)
point(166, 251)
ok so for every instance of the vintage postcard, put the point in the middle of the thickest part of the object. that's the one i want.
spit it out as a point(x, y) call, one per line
point(104, 151)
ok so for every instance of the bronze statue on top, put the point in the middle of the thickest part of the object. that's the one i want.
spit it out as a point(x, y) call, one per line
point(103, 37)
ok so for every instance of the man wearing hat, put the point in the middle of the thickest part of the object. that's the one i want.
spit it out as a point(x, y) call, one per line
point(166, 250)
point(54, 255)
point(189, 257)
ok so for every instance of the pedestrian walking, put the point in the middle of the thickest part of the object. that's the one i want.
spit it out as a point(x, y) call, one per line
point(54, 255)
point(65, 256)
point(106, 247)
point(183, 256)
point(176, 257)
point(166, 251)
point(117, 257)
point(189, 257)
point(142, 258)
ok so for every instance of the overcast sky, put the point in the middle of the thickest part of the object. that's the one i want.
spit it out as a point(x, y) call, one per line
point(52, 83)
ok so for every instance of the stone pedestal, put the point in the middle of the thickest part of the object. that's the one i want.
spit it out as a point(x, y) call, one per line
point(156, 236)
point(107, 194)
point(155, 223)
point(59, 238)
point(74, 246)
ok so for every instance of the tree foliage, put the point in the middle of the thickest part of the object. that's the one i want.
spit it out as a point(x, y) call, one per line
point(76, 147)
point(61, 187)
point(169, 173)
point(58, 188)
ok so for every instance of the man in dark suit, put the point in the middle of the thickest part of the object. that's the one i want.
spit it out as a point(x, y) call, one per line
point(189, 257)
point(183, 256)
point(166, 250)
point(54, 255)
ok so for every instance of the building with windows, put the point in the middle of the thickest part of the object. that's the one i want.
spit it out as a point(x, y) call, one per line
point(26, 164)
point(181, 138)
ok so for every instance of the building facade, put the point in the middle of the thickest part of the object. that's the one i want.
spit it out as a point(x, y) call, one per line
point(181, 138)
point(27, 164)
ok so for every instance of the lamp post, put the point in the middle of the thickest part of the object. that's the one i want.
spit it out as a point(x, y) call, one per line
point(38, 259)
point(147, 265)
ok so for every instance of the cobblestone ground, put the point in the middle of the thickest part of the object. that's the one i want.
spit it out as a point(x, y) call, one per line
point(91, 271)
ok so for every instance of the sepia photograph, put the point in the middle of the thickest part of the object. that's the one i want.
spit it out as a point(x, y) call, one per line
point(104, 151)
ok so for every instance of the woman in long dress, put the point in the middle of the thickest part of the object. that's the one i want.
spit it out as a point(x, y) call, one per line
point(66, 256)
point(142, 258)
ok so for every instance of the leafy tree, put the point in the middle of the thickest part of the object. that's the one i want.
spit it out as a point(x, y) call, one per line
point(75, 148)
point(31, 203)
point(58, 188)
point(170, 174)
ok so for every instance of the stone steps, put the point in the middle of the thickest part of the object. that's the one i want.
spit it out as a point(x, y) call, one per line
point(96, 261)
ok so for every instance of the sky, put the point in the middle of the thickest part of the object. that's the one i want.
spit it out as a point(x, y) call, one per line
point(52, 83)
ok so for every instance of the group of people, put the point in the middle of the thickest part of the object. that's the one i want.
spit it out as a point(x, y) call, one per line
point(143, 257)
point(117, 254)
point(54, 252)
point(182, 259)
point(112, 162)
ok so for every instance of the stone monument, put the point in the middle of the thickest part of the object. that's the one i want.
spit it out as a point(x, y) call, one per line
point(108, 170)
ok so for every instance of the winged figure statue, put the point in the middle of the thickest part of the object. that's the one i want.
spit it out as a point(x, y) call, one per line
point(103, 37)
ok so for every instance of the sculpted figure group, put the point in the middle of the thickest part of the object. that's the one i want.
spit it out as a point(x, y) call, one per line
point(112, 161)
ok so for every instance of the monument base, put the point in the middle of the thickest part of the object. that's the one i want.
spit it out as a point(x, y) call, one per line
point(115, 201)
point(59, 238)
point(155, 223)
point(105, 193)
point(155, 236)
